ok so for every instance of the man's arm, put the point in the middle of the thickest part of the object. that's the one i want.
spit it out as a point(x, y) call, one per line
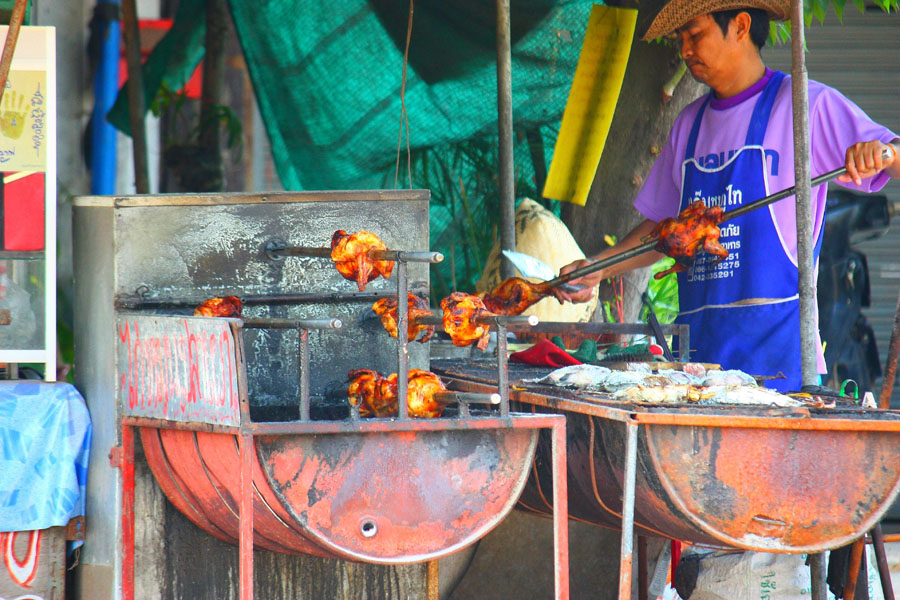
point(634, 238)
point(865, 159)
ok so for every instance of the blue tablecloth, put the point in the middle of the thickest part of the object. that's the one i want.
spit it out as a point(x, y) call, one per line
point(45, 439)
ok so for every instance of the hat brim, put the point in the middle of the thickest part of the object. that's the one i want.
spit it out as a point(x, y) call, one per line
point(678, 12)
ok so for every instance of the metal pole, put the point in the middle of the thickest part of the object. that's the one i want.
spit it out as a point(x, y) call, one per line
point(626, 554)
point(402, 340)
point(245, 516)
point(136, 105)
point(505, 130)
point(560, 511)
point(806, 285)
point(800, 96)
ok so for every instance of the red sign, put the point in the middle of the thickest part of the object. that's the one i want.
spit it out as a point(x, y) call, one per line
point(178, 369)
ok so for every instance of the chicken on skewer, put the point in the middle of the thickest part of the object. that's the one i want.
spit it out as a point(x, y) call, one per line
point(386, 308)
point(227, 306)
point(695, 227)
point(461, 312)
point(350, 253)
point(512, 296)
point(377, 395)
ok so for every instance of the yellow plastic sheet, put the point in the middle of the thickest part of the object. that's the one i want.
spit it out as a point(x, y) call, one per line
point(591, 104)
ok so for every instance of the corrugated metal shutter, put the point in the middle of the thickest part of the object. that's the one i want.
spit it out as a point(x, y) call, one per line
point(859, 58)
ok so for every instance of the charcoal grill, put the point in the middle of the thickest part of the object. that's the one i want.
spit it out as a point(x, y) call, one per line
point(319, 481)
point(789, 480)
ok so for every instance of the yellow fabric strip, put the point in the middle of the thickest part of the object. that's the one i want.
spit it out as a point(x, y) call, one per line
point(591, 104)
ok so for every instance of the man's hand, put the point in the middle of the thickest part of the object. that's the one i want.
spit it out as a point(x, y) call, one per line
point(865, 159)
point(589, 281)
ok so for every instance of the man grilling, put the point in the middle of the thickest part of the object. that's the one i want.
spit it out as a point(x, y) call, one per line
point(728, 148)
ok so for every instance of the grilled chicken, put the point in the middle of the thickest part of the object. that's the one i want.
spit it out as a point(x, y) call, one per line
point(229, 306)
point(695, 227)
point(461, 312)
point(386, 308)
point(514, 295)
point(350, 253)
point(420, 396)
point(363, 388)
point(377, 395)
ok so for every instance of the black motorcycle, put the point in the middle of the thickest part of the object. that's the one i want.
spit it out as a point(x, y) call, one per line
point(843, 287)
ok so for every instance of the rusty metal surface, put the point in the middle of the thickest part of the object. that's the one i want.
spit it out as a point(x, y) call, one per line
point(428, 492)
point(776, 480)
point(394, 497)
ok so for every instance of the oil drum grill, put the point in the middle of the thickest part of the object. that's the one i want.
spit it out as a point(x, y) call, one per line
point(788, 480)
point(307, 486)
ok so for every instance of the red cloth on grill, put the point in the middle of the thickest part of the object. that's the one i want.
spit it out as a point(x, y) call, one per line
point(545, 354)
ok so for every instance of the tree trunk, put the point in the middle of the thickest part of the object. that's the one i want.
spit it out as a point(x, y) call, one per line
point(639, 129)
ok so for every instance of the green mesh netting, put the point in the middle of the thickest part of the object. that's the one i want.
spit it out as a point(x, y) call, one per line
point(327, 77)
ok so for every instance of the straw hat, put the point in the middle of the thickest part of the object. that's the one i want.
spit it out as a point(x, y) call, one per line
point(678, 12)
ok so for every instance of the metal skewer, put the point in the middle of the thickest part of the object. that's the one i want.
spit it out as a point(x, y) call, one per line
point(521, 320)
point(278, 250)
point(651, 245)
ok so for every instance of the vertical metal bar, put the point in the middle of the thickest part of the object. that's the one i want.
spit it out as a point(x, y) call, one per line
point(502, 370)
point(245, 537)
point(626, 554)
point(304, 373)
point(432, 580)
point(856, 553)
point(803, 195)
point(560, 512)
point(136, 104)
point(127, 465)
point(884, 571)
point(817, 576)
point(402, 339)
point(890, 366)
point(643, 582)
point(505, 130)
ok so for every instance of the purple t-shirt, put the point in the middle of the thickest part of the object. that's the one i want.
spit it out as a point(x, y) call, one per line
point(835, 123)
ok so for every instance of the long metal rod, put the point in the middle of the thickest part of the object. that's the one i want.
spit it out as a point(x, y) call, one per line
point(136, 301)
point(454, 397)
point(274, 250)
point(626, 554)
point(509, 321)
point(328, 323)
point(136, 105)
point(505, 131)
point(890, 366)
point(731, 214)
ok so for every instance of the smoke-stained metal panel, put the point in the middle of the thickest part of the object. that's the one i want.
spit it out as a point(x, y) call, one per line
point(195, 247)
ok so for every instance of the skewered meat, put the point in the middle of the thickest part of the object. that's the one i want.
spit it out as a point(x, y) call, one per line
point(695, 227)
point(461, 312)
point(386, 308)
point(350, 253)
point(229, 306)
point(364, 386)
point(514, 295)
point(420, 396)
point(377, 395)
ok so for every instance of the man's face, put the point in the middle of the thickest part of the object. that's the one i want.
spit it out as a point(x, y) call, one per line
point(708, 53)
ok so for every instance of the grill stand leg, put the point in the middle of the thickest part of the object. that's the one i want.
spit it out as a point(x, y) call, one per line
point(817, 576)
point(126, 463)
point(245, 441)
point(560, 512)
point(626, 554)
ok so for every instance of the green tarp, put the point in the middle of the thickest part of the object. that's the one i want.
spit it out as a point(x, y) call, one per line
point(327, 77)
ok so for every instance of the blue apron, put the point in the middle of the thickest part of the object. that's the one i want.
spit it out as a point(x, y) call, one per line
point(762, 338)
